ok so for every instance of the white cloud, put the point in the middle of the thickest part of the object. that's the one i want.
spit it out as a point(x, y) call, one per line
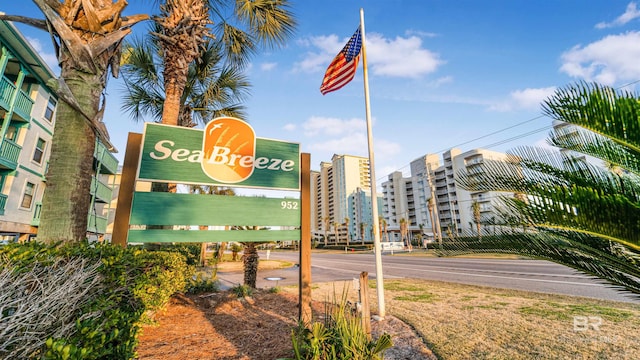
point(630, 13)
point(317, 125)
point(290, 127)
point(268, 66)
point(402, 57)
point(530, 98)
point(421, 33)
point(607, 61)
point(49, 58)
point(328, 136)
point(355, 144)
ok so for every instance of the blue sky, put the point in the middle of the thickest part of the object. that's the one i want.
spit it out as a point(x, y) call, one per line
point(467, 73)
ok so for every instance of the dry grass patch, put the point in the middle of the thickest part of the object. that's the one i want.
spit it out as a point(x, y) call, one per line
point(471, 322)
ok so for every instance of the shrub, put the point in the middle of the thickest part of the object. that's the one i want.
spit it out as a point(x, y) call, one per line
point(340, 336)
point(131, 285)
point(43, 301)
point(203, 284)
point(242, 290)
point(190, 251)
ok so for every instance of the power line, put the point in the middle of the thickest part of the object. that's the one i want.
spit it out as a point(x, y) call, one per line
point(491, 134)
point(513, 138)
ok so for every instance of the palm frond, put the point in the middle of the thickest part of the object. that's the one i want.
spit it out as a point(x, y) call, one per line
point(270, 21)
point(582, 252)
point(574, 138)
point(239, 45)
point(601, 109)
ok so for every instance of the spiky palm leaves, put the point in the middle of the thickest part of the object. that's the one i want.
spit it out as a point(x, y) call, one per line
point(244, 26)
point(568, 207)
point(212, 89)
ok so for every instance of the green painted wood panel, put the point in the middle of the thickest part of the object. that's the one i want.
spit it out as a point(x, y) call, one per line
point(150, 236)
point(155, 208)
point(183, 164)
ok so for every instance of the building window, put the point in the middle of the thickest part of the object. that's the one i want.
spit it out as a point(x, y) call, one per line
point(38, 154)
point(27, 197)
point(51, 107)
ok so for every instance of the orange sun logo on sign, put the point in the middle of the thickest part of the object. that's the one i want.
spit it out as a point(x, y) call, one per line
point(229, 150)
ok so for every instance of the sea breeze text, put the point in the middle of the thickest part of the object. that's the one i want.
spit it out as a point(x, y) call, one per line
point(221, 155)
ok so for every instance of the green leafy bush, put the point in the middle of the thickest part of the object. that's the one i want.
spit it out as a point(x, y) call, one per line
point(137, 283)
point(202, 283)
point(340, 336)
point(242, 290)
point(190, 251)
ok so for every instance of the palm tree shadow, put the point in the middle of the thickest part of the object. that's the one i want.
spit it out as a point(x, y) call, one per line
point(257, 327)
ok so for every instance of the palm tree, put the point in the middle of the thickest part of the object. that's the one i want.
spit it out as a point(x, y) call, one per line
point(327, 224)
point(182, 28)
point(87, 35)
point(403, 225)
point(184, 25)
point(211, 89)
point(346, 226)
point(363, 227)
point(383, 227)
point(477, 217)
point(575, 206)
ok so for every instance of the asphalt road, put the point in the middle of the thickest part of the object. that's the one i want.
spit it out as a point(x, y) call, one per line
point(529, 275)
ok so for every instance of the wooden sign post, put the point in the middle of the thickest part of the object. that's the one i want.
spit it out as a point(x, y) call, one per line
point(179, 155)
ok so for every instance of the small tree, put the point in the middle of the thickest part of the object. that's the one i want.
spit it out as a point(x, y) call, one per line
point(327, 225)
point(477, 217)
point(346, 226)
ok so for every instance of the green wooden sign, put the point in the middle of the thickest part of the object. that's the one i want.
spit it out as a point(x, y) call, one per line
point(177, 155)
point(201, 209)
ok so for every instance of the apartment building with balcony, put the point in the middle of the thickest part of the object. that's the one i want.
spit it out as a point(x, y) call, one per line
point(332, 185)
point(361, 216)
point(429, 198)
point(27, 122)
point(406, 199)
point(471, 162)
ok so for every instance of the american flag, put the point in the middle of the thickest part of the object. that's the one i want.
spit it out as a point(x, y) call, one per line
point(343, 67)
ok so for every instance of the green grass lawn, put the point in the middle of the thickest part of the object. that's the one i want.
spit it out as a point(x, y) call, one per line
point(472, 322)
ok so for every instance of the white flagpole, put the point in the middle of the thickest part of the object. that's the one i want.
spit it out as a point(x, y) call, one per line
point(372, 173)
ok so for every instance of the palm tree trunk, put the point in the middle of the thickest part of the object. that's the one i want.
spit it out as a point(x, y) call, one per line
point(65, 205)
point(171, 109)
point(250, 261)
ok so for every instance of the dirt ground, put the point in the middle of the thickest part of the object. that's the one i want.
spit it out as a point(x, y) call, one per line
point(222, 326)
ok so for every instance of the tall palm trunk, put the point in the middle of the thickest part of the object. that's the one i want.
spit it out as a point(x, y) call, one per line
point(250, 261)
point(184, 29)
point(66, 201)
point(89, 34)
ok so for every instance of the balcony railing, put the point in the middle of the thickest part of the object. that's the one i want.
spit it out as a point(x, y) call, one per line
point(96, 224)
point(9, 152)
point(23, 103)
point(101, 191)
point(6, 91)
point(37, 209)
point(109, 163)
point(3, 203)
